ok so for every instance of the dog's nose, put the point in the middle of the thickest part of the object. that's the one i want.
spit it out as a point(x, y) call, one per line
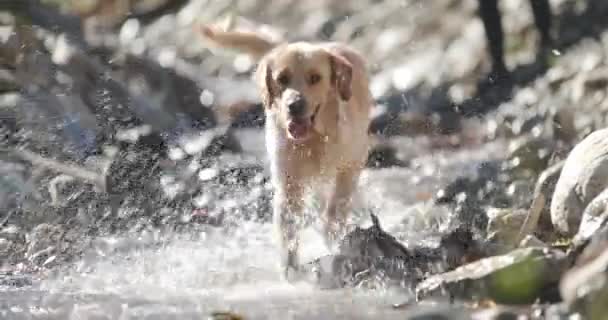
point(297, 107)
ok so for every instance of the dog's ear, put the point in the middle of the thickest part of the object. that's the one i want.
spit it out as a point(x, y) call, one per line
point(341, 75)
point(265, 82)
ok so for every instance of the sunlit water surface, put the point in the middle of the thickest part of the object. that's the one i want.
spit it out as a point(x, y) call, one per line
point(186, 277)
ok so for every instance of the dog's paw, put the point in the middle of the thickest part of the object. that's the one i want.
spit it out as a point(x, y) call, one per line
point(292, 274)
point(290, 270)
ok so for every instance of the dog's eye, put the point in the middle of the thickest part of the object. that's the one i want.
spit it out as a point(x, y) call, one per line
point(314, 79)
point(283, 79)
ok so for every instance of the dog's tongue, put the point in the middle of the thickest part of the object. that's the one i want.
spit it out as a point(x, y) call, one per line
point(297, 129)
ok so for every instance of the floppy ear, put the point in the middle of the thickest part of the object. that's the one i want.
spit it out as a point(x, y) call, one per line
point(263, 78)
point(341, 75)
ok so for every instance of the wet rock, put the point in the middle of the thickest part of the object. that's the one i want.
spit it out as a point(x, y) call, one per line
point(166, 90)
point(594, 217)
point(564, 127)
point(45, 242)
point(584, 176)
point(366, 256)
point(538, 215)
point(15, 281)
point(504, 225)
point(405, 123)
point(211, 142)
point(529, 155)
point(11, 232)
point(248, 116)
point(459, 185)
point(222, 315)
point(5, 247)
point(532, 241)
point(518, 277)
point(597, 79)
point(437, 312)
point(519, 192)
point(384, 156)
point(468, 211)
point(584, 287)
point(7, 81)
point(497, 314)
point(480, 187)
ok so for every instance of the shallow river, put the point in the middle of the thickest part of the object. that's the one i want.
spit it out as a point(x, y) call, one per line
point(177, 277)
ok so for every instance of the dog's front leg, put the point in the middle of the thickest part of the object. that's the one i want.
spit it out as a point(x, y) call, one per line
point(339, 205)
point(287, 207)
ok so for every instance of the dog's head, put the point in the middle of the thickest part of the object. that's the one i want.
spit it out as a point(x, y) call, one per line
point(299, 81)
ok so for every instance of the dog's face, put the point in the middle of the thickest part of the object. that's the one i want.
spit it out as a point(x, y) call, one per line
point(298, 81)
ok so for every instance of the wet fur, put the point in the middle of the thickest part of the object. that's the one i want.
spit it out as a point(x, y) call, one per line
point(335, 151)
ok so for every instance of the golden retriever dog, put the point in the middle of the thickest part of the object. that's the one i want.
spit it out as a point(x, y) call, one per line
point(317, 105)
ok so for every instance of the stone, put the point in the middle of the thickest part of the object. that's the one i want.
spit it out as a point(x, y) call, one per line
point(371, 255)
point(519, 277)
point(504, 225)
point(529, 155)
point(584, 176)
point(384, 156)
point(538, 213)
point(584, 287)
point(594, 217)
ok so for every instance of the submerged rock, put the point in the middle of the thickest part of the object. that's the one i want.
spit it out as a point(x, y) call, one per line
point(518, 277)
point(584, 176)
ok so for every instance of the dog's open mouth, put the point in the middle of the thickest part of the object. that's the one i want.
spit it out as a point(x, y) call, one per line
point(299, 129)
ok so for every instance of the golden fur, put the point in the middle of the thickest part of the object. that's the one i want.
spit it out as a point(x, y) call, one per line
point(326, 141)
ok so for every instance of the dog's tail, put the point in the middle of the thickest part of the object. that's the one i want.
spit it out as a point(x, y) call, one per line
point(248, 42)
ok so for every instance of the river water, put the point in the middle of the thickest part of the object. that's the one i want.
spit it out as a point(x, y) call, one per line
point(175, 276)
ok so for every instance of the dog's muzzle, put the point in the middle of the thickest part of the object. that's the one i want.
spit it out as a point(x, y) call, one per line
point(300, 128)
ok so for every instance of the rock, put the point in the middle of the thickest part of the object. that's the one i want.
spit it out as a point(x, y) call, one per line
point(14, 281)
point(211, 142)
point(518, 277)
point(529, 155)
point(538, 213)
point(584, 176)
point(11, 233)
point(384, 156)
point(532, 241)
point(436, 312)
point(468, 212)
point(504, 225)
point(519, 192)
point(496, 314)
point(585, 287)
point(5, 247)
point(247, 115)
point(597, 79)
point(480, 187)
point(594, 217)
point(223, 315)
point(7, 81)
point(44, 242)
point(564, 127)
point(366, 256)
